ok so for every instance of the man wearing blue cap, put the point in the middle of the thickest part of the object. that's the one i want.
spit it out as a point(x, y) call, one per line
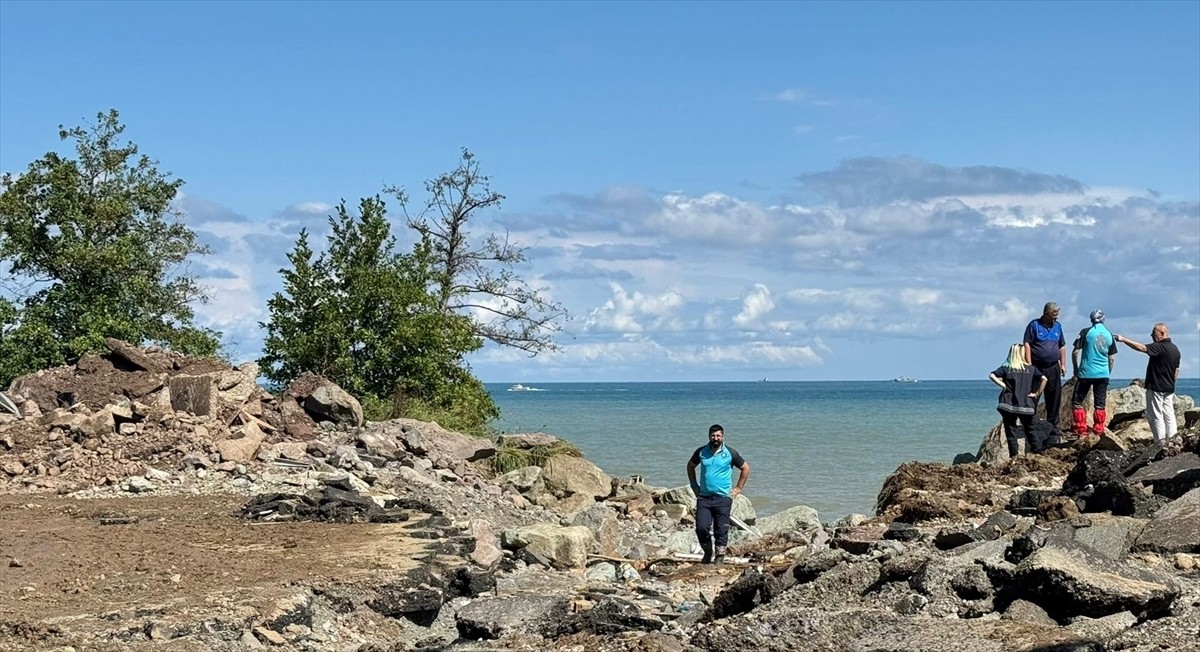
point(1092, 361)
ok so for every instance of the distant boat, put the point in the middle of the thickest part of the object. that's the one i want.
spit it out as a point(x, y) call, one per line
point(523, 388)
point(904, 379)
point(762, 380)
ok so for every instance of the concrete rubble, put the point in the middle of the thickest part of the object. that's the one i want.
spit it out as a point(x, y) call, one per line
point(1083, 546)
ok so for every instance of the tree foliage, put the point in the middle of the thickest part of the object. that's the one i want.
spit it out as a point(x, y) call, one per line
point(361, 314)
point(90, 247)
point(477, 278)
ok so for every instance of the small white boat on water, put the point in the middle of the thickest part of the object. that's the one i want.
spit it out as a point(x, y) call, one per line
point(524, 388)
point(904, 379)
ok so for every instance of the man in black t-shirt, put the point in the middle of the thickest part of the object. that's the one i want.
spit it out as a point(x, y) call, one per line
point(1161, 372)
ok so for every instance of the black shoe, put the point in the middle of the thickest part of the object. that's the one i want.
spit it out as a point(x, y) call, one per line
point(708, 556)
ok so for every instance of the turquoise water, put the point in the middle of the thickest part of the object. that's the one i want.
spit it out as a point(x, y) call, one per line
point(828, 445)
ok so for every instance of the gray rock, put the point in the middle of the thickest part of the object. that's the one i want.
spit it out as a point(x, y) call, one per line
point(1111, 536)
point(743, 509)
point(575, 475)
point(563, 547)
point(379, 444)
point(1024, 611)
point(601, 520)
point(683, 542)
point(1125, 403)
point(678, 496)
point(794, 519)
point(911, 604)
point(137, 484)
point(1179, 631)
point(1104, 628)
point(1174, 528)
point(495, 617)
point(527, 480)
point(332, 403)
point(1074, 582)
point(898, 531)
point(1171, 476)
point(436, 443)
point(857, 539)
point(603, 573)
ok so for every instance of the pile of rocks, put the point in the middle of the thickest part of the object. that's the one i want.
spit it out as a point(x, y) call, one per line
point(118, 415)
point(1087, 547)
point(325, 503)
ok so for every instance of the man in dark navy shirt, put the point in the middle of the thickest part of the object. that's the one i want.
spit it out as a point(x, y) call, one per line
point(1046, 349)
point(1161, 372)
point(715, 491)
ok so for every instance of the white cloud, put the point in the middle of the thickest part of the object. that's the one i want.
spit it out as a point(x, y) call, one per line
point(634, 312)
point(710, 285)
point(1013, 313)
point(755, 305)
point(802, 96)
point(915, 297)
point(316, 207)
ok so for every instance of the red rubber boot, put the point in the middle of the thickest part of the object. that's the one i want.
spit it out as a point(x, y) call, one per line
point(1099, 420)
point(1080, 422)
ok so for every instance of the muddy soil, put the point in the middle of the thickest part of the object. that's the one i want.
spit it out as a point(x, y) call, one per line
point(100, 565)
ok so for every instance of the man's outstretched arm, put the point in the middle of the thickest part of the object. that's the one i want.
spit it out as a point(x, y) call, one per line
point(1136, 346)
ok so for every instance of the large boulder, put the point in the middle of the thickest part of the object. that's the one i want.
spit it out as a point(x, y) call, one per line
point(564, 547)
point(1171, 476)
point(1125, 404)
point(567, 474)
point(443, 447)
point(1075, 582)
point(527, 480)
point(1175, 528)
point(1109, 536)
point(678, 496)
point(242, 446)
point(743, 509)
point(1098, 484)
point(494, 617)
point(800, 518)
point(602, 521)
point(332, 403)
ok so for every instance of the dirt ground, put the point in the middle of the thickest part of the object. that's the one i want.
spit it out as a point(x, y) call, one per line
point(80, 562)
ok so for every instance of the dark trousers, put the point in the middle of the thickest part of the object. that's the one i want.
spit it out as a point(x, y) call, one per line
point(1010, 431)
point(1053, 394)
point(712, 520)
point(1099, 387)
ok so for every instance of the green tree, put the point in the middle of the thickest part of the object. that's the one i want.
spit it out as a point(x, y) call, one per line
point(93, 249)
point(362, 315)
point(478, 278)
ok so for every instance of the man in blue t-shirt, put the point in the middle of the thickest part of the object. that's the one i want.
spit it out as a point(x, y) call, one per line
point(1092, 360)
point(715, 491)
point(1046, 349)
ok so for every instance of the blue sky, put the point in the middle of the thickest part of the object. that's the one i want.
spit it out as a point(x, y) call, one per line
point(715, 191)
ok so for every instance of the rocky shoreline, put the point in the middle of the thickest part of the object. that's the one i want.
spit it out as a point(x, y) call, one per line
point(151, 501)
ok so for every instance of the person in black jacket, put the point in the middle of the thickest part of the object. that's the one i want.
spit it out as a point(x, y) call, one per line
point(1018, 399)
point(1161, 372)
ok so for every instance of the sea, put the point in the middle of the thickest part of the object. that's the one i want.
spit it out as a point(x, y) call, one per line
point(828, 445)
